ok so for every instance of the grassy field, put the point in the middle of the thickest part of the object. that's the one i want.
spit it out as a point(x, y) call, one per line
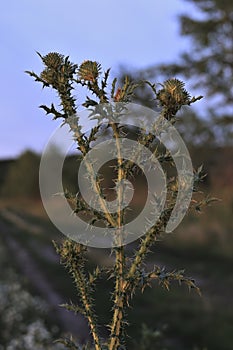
point(185, 321)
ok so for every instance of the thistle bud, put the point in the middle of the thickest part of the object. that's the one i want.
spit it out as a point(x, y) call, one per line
point(89, 70)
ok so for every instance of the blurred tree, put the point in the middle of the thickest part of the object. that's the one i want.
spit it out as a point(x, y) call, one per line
point(208, 62)
point(210, 59)
point(4, 166)
point(22, 178)
point(194, 131)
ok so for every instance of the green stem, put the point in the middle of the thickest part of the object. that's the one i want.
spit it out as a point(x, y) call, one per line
point(141, 253)
point(81, 285)
point(116, 326)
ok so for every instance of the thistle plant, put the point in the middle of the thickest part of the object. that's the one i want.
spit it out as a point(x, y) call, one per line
point(106, 100)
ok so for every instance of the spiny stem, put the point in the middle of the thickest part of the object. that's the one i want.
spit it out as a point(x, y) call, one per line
point(95, 184)
point(81, 285)
point(120, 258)
point(141, 253)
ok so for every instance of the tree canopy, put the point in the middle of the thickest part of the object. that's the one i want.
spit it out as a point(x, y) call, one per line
point(209, 60)
point(207, 63)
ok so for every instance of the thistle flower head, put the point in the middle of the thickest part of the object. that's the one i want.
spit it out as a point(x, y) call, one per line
point(53, 60)
point(173, 92)
point(58, 69)
point(89, 70)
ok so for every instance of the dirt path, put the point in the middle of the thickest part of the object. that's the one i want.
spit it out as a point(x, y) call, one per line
point(69, 322)
point(19, 222)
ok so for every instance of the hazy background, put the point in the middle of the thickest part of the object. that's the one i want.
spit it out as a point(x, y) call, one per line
point(135, 34)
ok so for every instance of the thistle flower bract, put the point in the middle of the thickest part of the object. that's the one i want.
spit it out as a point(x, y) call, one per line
point(53, 60)
point(173, 92)
point(89, 70)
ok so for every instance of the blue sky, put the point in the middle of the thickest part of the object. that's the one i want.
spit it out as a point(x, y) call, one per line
point(132, 33)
